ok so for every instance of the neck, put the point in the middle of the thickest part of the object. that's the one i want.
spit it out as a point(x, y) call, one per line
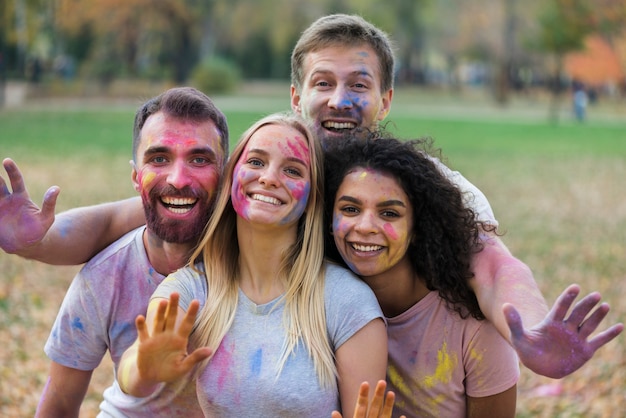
point(166, 257)
point(397, 289)
point(261, 252)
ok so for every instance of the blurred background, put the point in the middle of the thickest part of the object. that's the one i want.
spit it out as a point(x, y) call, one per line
point(547, 49)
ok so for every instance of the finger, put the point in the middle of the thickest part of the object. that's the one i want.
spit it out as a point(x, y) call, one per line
point(50, 201)
point(142, 330)
point(362, 401)
point(563, 303)
point(514, 321)
point(590, 324)
point(159, 317)
point(15, 176)
point(582, 308)
point(606, 336)
point(378, 399)
point(172, 312)
point(389, 401)
point(189, 319)
point(336, 414)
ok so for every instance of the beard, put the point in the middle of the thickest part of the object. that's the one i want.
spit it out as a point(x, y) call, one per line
point(177, 231)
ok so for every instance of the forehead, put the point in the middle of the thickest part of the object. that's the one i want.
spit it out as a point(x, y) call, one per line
point(283, 139)
point(343, 60)
point(166, 131)
point(372, 184)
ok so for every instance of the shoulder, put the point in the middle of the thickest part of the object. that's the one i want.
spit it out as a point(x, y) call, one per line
point(129, 245)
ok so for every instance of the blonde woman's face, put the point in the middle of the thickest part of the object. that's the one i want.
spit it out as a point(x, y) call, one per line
point(272, 178)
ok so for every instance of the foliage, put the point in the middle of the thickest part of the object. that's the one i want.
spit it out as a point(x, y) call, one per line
point(215, 75)
point(564, 24)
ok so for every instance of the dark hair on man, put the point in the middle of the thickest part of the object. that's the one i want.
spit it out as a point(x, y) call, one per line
point(446, 234)
point(184, 103)
point(343, 30)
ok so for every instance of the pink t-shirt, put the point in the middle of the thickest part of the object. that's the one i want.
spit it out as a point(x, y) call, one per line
point(437, 359)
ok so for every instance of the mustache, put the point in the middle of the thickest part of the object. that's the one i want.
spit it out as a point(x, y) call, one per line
point(173, 191)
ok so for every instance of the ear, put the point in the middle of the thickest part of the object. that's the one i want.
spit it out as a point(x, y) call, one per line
point(134, 175)
point(386, 104)
point(295, 100)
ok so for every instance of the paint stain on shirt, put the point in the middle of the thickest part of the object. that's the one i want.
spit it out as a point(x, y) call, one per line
point(446, 363)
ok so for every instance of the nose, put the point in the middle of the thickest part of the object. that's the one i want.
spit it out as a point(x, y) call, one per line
point(178, 175)
point(269, 177)
point(366, 224)
point(340, 99)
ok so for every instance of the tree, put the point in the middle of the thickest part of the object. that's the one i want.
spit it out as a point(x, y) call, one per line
point(563, 26)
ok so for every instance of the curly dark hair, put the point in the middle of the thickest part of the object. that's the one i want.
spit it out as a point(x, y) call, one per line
point(447, 232)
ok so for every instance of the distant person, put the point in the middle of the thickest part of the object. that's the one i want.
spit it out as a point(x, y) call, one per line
point(402, 226)
point(180, 145)
point(342, 80)
point(581, 101)
point(284, 333)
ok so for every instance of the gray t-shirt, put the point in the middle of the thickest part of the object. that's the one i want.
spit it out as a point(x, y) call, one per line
point(98, 314)
point(241, 379)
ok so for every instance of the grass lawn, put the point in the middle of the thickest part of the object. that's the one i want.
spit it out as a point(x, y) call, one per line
point(557, 190)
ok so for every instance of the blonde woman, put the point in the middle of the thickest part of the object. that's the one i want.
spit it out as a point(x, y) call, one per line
point(281, 332)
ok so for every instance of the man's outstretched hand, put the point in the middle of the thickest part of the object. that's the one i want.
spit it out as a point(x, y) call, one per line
point(22, 223)
point(559, 345)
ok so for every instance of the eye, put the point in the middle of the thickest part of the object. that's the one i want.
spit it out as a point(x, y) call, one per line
point(158, 159)
point(349, 210)
point(387, 213)
point(201, 160)
point(255, 162)
point(293, 172)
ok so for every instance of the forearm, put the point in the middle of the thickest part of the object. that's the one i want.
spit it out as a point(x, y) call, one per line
point(501, 278)
point(78, 234)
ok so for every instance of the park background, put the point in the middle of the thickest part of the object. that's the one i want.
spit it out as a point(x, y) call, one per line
point(490, 81)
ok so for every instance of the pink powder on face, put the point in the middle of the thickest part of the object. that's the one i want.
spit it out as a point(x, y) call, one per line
point(390, 230)
point(298, 148)
point(180, 142)
point(237, 196)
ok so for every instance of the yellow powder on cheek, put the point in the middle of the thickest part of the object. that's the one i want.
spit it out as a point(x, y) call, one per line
point(149, 178)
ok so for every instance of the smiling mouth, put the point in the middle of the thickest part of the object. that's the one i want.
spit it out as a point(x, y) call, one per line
point(179, 205)
point(339, 126)
point(366, 248)
point(266, 199)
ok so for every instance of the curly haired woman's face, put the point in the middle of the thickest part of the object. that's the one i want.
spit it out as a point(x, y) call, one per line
point(372, 221)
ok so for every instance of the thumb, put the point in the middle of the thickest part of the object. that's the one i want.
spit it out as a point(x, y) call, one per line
point(50, 201)
point(197, 356)
point(514, 321)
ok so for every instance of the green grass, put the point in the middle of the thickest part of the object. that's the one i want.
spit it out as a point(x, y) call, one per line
point(64, 132)
point(557, 191)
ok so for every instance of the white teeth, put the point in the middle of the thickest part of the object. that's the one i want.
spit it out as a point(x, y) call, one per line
point(266, 199)
point(178, 201)
point(366, 248)
point(179, 211)
point(339, 125)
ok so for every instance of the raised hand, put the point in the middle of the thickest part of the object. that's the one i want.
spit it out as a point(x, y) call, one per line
point(558, 345)
point(381, 405)
point(162, 355)
point(22, 223)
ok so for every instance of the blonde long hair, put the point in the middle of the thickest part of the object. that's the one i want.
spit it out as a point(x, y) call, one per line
point(301, 270)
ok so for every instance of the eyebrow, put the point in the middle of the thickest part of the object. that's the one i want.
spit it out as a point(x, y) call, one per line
point(356, 73)
point(386, 203)
point(164, 150)
point(265, 153)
